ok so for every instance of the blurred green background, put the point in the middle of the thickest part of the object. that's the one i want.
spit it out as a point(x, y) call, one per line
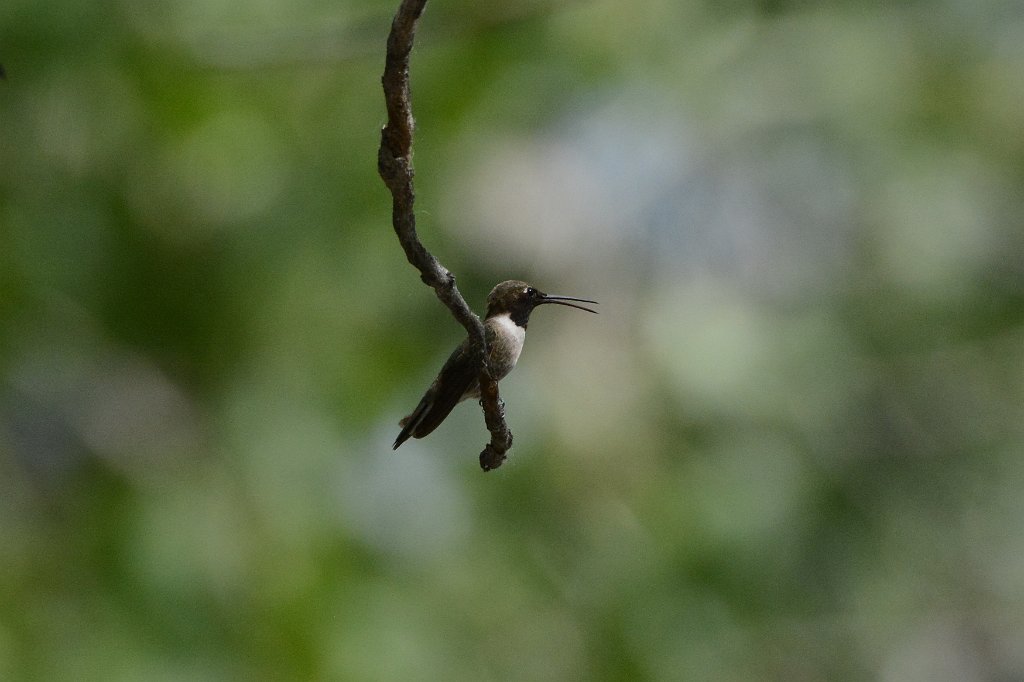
point(789, 448)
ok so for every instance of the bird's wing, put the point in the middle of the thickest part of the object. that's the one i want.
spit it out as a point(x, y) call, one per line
point(457, 376)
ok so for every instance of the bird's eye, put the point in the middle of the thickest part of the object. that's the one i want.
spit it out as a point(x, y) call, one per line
point(530, 291)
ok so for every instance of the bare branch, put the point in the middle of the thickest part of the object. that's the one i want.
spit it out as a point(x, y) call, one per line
point(394, 163)
point(494, 416)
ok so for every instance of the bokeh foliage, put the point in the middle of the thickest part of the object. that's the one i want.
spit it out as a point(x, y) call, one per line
point(790, 447)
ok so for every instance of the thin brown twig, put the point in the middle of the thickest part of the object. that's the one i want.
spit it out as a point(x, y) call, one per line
point(394, 163)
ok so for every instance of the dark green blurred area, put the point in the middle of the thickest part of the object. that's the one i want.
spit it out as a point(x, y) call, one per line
point(789, 448)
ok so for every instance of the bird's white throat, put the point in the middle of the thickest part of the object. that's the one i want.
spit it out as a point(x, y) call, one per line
point(509, 345)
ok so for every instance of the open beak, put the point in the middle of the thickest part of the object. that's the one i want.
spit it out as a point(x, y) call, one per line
point(564, 300)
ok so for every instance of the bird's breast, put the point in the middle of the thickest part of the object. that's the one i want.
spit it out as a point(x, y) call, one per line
point(505, 340)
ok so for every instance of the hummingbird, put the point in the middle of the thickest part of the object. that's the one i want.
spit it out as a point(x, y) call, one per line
point(508, 310)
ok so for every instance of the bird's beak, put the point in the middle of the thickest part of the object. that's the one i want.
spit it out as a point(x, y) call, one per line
point(564, 300)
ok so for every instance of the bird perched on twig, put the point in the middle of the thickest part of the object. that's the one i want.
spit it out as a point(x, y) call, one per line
point(508, 310)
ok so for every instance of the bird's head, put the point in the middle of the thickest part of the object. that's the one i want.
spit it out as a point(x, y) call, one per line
point(518, 299)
